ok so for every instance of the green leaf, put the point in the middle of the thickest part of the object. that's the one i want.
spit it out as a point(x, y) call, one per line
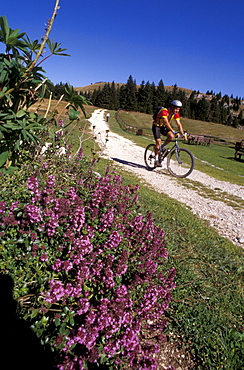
point(33, 138)
point(73, 114)
point(55, 48)
point(34, 126)
point(12, 127)
point(3, 158)
point(4, 27)
point(72, 321)
point(11, 38)
point(16, 145)
point(20, 113)
point(3, 76)
point(24, 134)
point(3, 92)
point(57, 321)
point(10, 169)
point(34, 46)
point(7, 116)
point(8, 63)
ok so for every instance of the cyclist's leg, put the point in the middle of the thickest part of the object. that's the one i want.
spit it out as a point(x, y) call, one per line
point(169, 136)
point(157, 137)
point(157, 146)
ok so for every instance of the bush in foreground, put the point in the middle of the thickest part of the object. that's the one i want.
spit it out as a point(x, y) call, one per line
point(88, 267)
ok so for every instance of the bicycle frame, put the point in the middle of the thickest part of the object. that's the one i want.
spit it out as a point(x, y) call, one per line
point(176, 148)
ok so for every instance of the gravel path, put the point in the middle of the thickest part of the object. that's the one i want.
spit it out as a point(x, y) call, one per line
point(228, 221)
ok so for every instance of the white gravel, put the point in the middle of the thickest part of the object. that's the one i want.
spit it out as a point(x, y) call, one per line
point(228, 221)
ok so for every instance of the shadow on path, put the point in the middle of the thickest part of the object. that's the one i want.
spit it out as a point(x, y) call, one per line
point(19, 346)
point(131, 164)
point(162, 171)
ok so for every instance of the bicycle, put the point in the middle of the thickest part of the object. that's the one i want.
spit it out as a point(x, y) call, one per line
point(180, 161)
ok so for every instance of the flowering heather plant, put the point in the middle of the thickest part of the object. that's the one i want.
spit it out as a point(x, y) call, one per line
point(91, 264)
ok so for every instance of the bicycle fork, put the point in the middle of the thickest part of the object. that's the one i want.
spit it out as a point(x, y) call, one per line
point(177, 154)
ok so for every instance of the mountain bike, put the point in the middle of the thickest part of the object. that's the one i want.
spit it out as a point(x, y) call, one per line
point(180, 161)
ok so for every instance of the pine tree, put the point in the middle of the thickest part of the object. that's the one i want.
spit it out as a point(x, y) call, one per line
point(218, 96)
point(226, 99)
point(149, 98)
point(214, 115)
point(114, 98)
point(122, 97)
point(130, 95)
point(153, 94)
point(223, 113)
point(141, 98)
point(174, 91)
point(229, 120)
point(241, 118)
point(104, 97)
point(98, 98)
point(159, 96)
point(235, 122)
point(202, 111)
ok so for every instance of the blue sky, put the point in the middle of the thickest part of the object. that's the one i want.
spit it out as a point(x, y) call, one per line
point(195, 44)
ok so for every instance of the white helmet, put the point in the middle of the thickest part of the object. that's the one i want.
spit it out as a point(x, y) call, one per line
point(176, 103)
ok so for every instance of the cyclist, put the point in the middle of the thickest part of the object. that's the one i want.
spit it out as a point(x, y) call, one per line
point(162, 126)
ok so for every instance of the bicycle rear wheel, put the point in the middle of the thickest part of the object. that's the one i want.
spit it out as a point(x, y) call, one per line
point(180, 163)
point(149, 156)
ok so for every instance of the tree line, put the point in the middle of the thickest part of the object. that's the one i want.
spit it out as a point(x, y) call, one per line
point(146, 97)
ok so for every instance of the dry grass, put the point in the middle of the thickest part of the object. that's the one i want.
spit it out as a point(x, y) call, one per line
point(95, 86)
point(212, 129)
point(41, 107)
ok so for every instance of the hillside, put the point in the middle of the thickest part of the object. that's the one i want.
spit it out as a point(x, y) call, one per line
point(97, 85)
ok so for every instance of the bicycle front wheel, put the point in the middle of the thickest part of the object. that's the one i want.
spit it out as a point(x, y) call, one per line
point(149, 156)
point(180, 162)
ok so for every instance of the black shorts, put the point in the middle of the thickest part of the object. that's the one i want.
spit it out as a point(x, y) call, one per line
point(158, 131)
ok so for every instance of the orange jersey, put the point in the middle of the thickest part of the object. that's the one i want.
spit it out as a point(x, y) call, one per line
point(163, 114)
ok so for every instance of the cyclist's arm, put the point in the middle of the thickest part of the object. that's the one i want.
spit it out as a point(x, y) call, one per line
point(180, 128)
point(167, 124)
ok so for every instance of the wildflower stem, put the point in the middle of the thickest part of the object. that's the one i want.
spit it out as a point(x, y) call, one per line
point(50, 24)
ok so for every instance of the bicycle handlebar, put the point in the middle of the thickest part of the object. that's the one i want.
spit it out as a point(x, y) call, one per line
point(182, 136)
